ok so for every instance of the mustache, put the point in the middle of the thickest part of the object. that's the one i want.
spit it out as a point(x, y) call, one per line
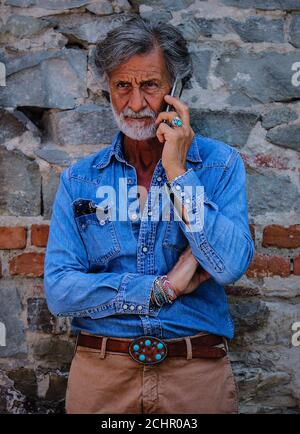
point(142, 114)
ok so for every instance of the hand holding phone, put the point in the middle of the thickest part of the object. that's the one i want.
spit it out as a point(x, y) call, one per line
point(176, 140)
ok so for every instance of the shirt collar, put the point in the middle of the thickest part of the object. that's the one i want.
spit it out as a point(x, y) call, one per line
point(116, 149)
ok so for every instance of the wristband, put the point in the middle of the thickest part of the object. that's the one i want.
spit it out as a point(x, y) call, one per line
point(162, 291)
point(158, 293)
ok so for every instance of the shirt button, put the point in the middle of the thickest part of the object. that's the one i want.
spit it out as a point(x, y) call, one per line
point(182, 193)
point(125, 306)
point(83, 226)
point(140, 307)
point(149, 212)
point(145, 249)
point(188, 200)
point(102, 222)
point(178, 187)
point(134, 216)
point(132, 307)
point(129, 181)
point(159, 178)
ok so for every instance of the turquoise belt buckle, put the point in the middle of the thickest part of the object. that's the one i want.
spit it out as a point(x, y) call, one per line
point(148, 350)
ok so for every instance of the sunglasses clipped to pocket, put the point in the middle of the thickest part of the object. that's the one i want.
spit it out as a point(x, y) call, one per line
point(85, 207)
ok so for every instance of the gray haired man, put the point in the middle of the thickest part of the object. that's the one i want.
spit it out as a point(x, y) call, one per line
point(147, 296)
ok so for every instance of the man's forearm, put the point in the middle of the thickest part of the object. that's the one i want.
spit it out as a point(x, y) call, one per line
point(75, 293)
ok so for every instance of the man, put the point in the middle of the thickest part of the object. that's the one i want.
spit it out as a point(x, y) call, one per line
point(147, 294)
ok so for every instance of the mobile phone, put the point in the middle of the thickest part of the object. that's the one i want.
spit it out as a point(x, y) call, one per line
point(176, 90)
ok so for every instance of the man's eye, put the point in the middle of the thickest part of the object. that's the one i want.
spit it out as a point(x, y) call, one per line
point(123, 85)
point(150, 84)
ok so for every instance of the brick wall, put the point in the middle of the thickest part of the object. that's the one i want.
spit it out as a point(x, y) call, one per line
point(245, 91)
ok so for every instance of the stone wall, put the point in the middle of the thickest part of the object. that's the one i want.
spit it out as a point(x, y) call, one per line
point(245, 91)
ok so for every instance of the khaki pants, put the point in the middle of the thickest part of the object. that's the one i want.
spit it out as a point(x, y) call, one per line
point(108, 382)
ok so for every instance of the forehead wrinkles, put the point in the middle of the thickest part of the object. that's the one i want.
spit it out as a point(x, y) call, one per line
point(138, 75)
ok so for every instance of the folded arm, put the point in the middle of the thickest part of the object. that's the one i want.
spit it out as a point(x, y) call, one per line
point(71, 290)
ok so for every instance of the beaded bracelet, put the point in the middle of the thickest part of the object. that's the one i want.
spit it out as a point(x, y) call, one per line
point(158, 294)
point(157, 297)
point(162, 292)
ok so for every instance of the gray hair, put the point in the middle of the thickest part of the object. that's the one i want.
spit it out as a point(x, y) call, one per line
point(140, 36)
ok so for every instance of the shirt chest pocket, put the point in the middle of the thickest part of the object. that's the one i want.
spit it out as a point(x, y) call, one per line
point(98, 232)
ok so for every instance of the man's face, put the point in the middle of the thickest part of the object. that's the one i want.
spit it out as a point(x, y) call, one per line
point(137, 90)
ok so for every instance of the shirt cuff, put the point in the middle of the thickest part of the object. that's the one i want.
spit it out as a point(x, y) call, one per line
point(189, 192)
point(134, 295)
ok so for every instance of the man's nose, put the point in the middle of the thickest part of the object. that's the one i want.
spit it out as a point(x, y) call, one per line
point(137, 101)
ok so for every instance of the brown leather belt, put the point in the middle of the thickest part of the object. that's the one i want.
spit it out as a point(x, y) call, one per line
point(151, 350)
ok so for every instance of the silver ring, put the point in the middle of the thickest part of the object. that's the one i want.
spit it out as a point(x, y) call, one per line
point(176, 122)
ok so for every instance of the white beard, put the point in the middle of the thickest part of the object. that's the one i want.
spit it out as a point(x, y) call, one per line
point(136, 129)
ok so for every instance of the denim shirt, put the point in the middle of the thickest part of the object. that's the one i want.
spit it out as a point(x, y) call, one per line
point(100, 271)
